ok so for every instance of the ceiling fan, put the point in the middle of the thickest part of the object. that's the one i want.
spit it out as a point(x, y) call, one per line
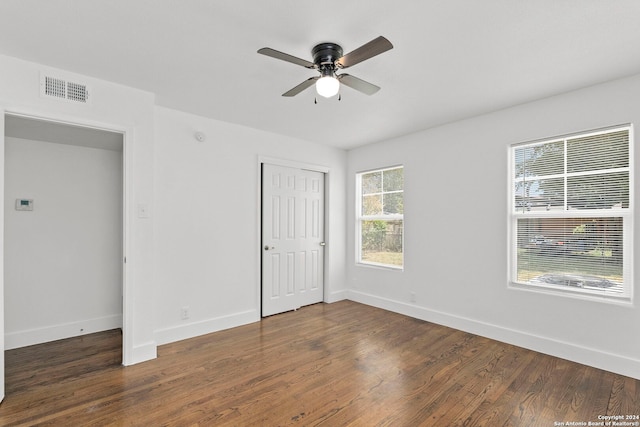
point(327, 59)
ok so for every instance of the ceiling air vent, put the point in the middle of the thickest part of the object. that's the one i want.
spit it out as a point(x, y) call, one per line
point(54, 87)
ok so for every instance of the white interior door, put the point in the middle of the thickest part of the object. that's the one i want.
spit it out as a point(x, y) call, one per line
point(292, 238)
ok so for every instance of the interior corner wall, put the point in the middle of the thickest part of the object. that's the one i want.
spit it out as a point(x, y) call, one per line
point(63, 259)
point(456, 232)
point(207, 211)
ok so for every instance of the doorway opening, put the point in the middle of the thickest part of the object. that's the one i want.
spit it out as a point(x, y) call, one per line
point(64, 231)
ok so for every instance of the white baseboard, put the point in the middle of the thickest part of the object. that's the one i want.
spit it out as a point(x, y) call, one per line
point(337, 296)
point(58, 332)
point(587, 356)
point(142, 353)
point(194, 329)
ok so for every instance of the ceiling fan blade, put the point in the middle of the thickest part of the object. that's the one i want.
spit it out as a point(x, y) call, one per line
point(302, 86)
point(286, 57)
point(358, 84)
point(366, 51)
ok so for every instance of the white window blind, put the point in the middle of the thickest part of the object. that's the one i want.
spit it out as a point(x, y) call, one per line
point(380, 217)
point(572, 213)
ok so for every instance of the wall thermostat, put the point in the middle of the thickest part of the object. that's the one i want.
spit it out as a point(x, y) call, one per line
point(24, 204)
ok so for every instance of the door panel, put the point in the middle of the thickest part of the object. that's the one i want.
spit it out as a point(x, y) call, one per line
point(292, 238)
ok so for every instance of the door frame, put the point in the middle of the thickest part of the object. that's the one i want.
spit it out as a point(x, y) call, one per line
point(327, 249)
point(127, 192)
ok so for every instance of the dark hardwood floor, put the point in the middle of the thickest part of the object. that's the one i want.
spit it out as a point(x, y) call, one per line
point(341, 364)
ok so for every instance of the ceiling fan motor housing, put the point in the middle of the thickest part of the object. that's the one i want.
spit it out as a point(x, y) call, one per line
point(325, 55)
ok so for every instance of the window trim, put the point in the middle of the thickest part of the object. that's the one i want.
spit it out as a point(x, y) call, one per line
point(359, 218)
point(627, 215)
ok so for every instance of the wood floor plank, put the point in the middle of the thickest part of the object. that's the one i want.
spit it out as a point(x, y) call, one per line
point(625, 396)
point(341, 364)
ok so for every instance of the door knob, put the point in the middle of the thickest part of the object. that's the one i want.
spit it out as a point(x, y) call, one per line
point(267, 248)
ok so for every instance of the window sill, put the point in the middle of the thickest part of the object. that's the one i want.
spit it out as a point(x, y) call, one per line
point(379, 266)
point(573, 294)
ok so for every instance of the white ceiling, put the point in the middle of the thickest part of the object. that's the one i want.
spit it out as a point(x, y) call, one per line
point(452, 59)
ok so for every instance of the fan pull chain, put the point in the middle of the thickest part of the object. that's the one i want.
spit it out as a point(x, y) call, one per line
point(315, 99)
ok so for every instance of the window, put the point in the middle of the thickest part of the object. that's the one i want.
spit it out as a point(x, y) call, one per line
point(571, 214)
point(380, 217)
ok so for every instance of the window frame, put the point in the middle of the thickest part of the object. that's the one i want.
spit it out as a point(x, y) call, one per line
point(359, 218)
point(627, 215)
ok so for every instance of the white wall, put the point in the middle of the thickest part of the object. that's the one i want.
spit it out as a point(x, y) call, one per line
point(207, 220)
point(456, 221)
point(63, 260)
point(206, 254)
point(456, 253)
point(112, 107)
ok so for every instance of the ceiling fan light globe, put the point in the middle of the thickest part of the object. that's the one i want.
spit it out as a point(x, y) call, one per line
point(327, 86)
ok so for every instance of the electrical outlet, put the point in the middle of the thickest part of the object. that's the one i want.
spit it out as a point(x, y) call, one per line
point(184, 313)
